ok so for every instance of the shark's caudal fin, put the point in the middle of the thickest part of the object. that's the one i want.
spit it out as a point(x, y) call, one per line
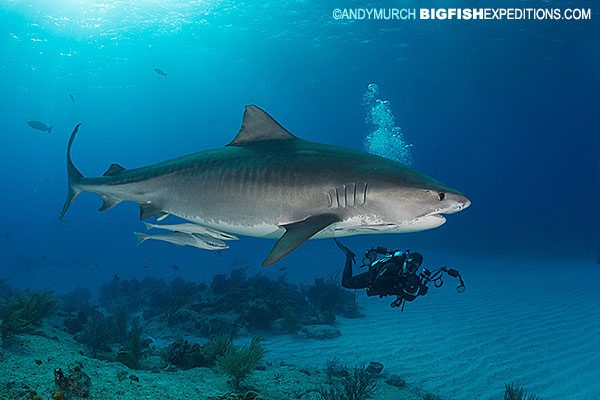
point(74, 176)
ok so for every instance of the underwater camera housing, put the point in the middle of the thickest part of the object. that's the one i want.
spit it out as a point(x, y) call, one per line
point(437, 275)
point(418, 286)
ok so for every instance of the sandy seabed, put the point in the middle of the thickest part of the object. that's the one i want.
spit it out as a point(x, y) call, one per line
point(534, 324)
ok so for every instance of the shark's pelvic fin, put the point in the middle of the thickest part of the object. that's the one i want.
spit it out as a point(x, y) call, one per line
point(258, 126)
point(149, 209)
point(113, 170)
point(108, 202)
point(73, 174)
point(297, 233)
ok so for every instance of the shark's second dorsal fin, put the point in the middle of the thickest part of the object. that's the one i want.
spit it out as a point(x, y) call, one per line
point(258, 126)
point(114, 169)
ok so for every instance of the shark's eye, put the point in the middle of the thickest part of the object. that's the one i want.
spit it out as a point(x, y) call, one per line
point(441, 196)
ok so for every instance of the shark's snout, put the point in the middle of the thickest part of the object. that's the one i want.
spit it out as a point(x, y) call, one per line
point(455, 202)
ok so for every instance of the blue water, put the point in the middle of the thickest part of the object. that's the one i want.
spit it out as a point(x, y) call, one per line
point(504, 111)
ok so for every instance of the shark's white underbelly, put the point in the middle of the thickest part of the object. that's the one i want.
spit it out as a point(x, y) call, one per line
point(356, 225)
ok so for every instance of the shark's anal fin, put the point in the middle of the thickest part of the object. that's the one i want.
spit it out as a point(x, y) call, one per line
point(148, 210)
point(258, 126)
point(114, 169)
point(297, 233)
point(108, 202)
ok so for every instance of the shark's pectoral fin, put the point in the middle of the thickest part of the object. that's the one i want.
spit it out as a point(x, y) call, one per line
point(108, 202)
point(147, 210)
point(297, 233)
point(258, 126)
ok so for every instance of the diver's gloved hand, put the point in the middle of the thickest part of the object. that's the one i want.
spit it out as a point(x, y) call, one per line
point(347, 251)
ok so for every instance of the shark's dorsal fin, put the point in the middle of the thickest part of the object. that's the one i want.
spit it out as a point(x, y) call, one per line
point(114, 169)
point(258, 126)
point(297, 233)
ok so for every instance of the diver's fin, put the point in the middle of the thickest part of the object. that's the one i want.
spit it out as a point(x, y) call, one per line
point(297, 233)
point(114, 169)
point(108, 202)
point(73, 176)
point(258, 126)
point(141, 237)
point(148, 210)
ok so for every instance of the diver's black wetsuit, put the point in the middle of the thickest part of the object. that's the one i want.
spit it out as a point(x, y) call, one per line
point(394, 273)
point(386, 280)
point(350, 281)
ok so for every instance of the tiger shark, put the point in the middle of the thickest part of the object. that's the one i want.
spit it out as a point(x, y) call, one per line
point(269, 183)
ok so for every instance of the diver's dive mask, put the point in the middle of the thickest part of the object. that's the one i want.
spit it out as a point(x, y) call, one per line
point(412, 263)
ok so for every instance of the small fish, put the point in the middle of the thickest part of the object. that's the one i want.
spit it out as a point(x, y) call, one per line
point(192, 229)
point(174, 267)
point(185, 239)
point(160, 72)
point(116, 278)
point(72, 98)
point(40, 126)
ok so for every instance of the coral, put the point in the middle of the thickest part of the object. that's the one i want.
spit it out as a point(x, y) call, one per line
point(217, 346)
point(395, 380)
point(17, 391)
point(132, 352)
point(334, 368)
point(359, 385)
point(58, 395)
point(512, 391)
point(239, 362)
point(152, 296)
point(74, 383)
point(76, 300)
point(329, 298)
point(320, 332)
point(102, 331)
point(374, 368)
point(234, 396)
point(25, 313)
point(430, 396)
point(186, 355)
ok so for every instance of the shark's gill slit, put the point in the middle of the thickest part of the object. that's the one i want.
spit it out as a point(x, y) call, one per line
point(329, 200)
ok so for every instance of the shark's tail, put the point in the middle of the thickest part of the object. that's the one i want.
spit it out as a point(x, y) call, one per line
point(141, 237)
point(73, 175)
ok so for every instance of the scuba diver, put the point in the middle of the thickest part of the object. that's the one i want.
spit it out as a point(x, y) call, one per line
point(394, 273)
